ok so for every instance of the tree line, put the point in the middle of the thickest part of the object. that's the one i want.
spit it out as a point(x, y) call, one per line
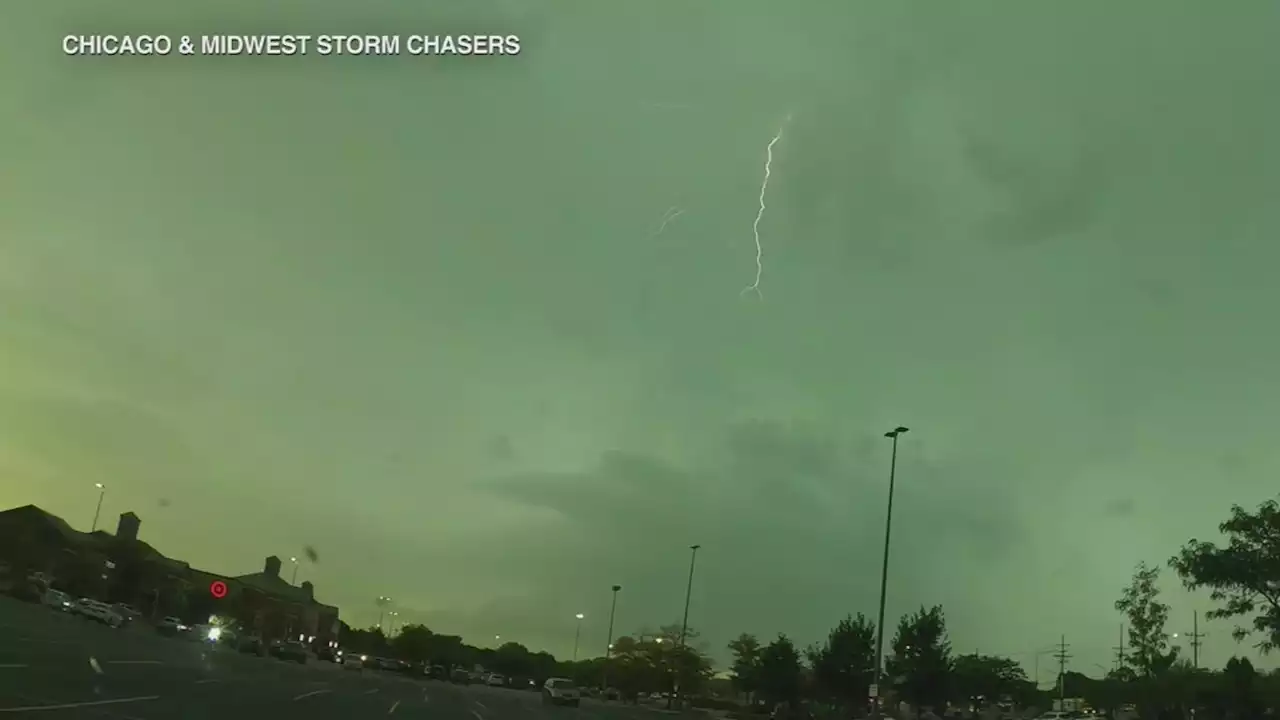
point(1153, 677)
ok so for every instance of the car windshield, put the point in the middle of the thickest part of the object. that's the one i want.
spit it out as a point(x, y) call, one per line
point(542, 306)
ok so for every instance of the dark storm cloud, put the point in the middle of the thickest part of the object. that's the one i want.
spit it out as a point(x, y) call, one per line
point(630, 516)
point(1044, 203)
point(1121, 507)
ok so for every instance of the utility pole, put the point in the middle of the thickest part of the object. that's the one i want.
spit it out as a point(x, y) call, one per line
point(1195, 639)
point(1063, 657)
point(1120, 650)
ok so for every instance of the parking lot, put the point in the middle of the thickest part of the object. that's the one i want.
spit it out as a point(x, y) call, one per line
point(58, 665)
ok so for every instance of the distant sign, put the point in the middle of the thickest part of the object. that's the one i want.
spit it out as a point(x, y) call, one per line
point(218, 589)
point(873, 691)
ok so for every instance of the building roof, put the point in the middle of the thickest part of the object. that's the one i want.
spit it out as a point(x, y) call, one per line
point(273, 585)
point(101, 540)
point(34, 515)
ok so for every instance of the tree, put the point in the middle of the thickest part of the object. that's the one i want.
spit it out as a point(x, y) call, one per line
point(653, 662)
point(1240, 687)
point(689, 667)
point(987, 676)
point(745, 670)
point(780, 671)
point(844, 664)
point(1148, 641)
point(413, 643)
point(1244, 575)
point(513, 660)
point(371, 641)
point(921, 663)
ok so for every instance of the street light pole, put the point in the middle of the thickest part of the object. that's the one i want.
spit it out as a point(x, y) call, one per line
point(102, 491)
point(294, 581)
point(577, 635)
point(382, 603)
point(608, 648)
point(884, 567)
point(688, 593)
point(684, 623)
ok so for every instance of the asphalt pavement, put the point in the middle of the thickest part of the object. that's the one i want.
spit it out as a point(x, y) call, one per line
point(57, 665)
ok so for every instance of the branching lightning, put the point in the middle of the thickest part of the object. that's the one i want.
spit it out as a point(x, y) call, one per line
point(754, 287)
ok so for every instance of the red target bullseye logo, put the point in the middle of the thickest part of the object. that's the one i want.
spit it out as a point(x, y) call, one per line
point(218, 589)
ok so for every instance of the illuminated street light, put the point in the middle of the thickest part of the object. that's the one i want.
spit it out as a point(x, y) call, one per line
point(382, 602)
point(102, 491)
point(577, 635)
point(294, 581)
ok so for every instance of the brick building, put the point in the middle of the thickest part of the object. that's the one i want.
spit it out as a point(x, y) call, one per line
point(123, 568)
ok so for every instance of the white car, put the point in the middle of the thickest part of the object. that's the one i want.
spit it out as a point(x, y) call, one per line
point(561, 691)
point(495, 680)
point(100, 611)
point(57, 600)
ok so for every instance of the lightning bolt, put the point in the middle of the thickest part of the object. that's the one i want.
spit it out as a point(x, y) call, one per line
point(754, 287)
point(671, 214)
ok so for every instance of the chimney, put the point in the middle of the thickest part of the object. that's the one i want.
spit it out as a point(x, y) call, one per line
point(309, 589)
point(127, 528)
point(271, 568)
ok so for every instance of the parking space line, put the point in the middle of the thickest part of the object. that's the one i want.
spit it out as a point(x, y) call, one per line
point(206, 681)
point(311, 694)
point(72, 706)
point(394, 705)
point(12, 666)
point(370, 692)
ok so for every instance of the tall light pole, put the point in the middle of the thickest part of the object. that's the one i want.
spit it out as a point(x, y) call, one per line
point(893, 434)
point(294, 581)
point(102, 491)
point(577, 635)
point(684, 623)
point(382, 602)
point(608, 648)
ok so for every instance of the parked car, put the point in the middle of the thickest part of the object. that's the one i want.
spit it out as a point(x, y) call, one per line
point(495, 680)
point(251, 645)
point(99, 611)
point(126, 611)
point(170, 626)
point(290, 650)
point(57, 600)
point(561, 691)
point(460, 677)
point(354, 661)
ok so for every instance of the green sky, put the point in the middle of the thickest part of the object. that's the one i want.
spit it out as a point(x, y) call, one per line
point(417, 312)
